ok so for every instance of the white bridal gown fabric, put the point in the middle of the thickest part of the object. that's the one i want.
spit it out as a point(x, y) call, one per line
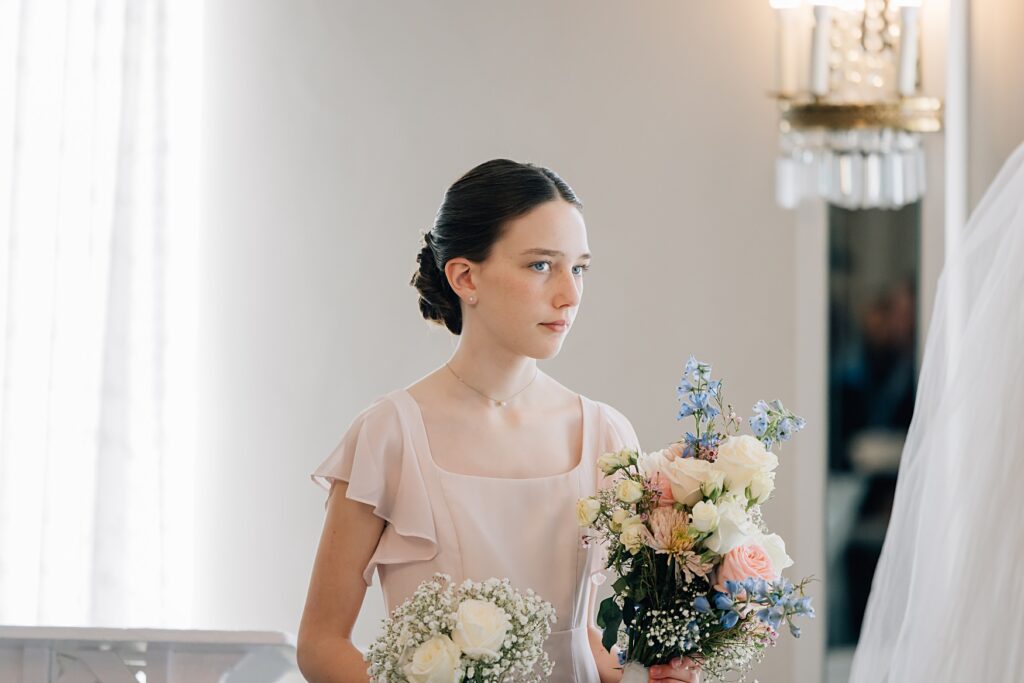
point(477, 527)
point(947, 602)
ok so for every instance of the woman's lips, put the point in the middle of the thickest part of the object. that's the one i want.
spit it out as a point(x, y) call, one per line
point(556, 327)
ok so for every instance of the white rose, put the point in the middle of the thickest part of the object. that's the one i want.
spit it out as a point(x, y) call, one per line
point(705, 517)
point(480, 628)
point(635, 520)
point(608, 462)
point(741, 457)
point(629, 491)
point(618, 517)
point(734, 528)
point(435, 661)
point(587, 510)
point(634, 536)
point(775, 549)
point(761, 486)
point(714, 482)
point(650, 464)
point(685, 476)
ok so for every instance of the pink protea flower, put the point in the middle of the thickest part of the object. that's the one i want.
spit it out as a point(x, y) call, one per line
point(669, 530)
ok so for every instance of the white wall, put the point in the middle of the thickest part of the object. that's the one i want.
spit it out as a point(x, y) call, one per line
point(996, 109)
point(333, 129)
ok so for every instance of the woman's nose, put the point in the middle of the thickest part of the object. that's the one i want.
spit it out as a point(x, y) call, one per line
point(569, 289)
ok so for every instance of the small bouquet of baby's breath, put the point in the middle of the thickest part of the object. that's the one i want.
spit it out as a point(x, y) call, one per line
point(484, 632)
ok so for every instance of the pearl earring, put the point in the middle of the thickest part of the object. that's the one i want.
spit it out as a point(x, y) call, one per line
point(472, 299)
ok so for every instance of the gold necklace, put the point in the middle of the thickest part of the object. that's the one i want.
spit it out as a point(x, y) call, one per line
point(497, 402)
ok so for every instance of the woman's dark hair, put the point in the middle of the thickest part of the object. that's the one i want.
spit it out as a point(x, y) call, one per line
point(472, 217)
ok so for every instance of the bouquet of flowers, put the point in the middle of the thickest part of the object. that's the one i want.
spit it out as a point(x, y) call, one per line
point(477, 631)
point(698, 573)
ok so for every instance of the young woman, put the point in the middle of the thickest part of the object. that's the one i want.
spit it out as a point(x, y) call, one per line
point(475, 469)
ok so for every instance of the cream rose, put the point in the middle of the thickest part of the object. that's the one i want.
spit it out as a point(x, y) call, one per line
point(435, 661)
point(775, 547)
point(734, 528)
point(674, 451)
point(650, 464)
point(740, 458)
point(761, 486)
point(609, 462)
point(587, 510)
point(686, 475)
point(714, 482)
point(618, 517)
point(635, 536)
point(629, 491)
point(480, 628)
point(705, 517)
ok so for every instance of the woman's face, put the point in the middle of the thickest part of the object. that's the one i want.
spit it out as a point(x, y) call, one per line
point(533, 275)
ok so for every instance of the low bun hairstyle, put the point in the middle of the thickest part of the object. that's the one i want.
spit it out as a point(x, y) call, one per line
point(472, 217)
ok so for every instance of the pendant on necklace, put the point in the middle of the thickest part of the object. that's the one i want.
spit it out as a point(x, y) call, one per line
point(500, 404)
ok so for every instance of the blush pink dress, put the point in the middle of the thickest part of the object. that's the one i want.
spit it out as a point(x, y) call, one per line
point(477, 527)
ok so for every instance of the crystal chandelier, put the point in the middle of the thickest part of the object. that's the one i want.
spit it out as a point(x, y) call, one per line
point(852, 114)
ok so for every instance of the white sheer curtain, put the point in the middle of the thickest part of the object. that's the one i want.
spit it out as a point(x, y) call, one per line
point(99, 107)
point(946, 602)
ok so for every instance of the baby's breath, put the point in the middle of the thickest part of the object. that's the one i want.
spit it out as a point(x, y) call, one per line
point(431, 611)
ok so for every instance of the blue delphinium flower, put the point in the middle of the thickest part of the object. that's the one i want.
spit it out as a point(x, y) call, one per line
point(684, 388)
point(723, 601)
point(759, 423)
point(701, 604)
point(700, 399)
point(685, 410)
point(729, 619)
point(785, 429)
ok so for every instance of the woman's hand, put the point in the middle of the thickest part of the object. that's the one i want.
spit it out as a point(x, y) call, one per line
point(679, 669)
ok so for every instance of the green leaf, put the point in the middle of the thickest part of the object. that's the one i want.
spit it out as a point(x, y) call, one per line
point(628, 610)
point(608, 613)
point(621, 584)
point(611, 635)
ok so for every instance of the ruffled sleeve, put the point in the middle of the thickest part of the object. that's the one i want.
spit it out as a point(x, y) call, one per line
point(615, 433)
point(375, 457)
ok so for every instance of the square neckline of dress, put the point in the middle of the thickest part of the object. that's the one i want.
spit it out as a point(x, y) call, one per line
point(422, 426)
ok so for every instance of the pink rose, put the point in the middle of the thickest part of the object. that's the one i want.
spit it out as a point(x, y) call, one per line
point(674, 451)
point(744, 561)
point(663, 486)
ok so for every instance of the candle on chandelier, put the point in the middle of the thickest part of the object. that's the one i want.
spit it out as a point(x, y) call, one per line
point(788, 12)
point(907, 79)
point(820, 49)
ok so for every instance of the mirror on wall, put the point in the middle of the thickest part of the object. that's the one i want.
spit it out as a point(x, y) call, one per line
point(874, 263)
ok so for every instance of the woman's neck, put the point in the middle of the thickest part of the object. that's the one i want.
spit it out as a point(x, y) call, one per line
point(493, 374)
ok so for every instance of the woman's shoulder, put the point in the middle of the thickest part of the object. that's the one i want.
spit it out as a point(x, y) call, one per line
point(615, 429)
point(381, 411)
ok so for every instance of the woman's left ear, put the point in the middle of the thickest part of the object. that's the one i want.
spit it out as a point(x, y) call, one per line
point(460, 276)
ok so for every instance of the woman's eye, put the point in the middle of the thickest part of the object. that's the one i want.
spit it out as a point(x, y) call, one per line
point(582, 269)
point(540, 263)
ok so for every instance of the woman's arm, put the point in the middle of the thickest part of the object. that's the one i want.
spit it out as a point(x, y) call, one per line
point(325, 652)
point(607, 662)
